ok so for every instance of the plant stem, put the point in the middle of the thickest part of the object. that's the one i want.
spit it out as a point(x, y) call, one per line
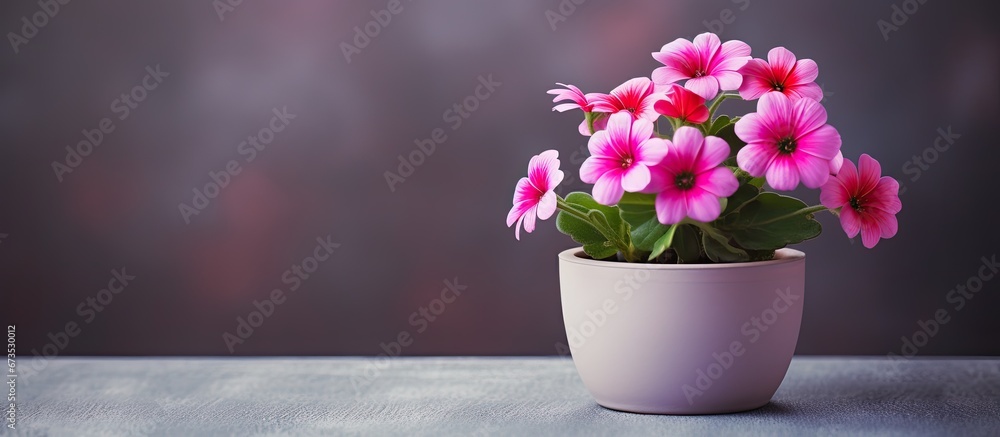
point(628, 252)
point(563, 206)
point(717, 102)
point(803, 211)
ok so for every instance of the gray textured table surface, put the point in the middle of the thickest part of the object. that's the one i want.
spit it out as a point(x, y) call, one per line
point(481, 396)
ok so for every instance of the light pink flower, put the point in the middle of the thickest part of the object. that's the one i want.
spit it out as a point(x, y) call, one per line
point(534, 195)
point(781, 73)
point(708, 64)
point(867, 200)
point(690, 180)
point(788, 142)
point(683, 104)
point(580, 101)
point(620, 158)
point(636, 96)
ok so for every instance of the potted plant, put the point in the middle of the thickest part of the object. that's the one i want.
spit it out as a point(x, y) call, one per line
point(684, 298)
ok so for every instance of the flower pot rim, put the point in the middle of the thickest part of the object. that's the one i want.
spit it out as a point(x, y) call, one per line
point(781, 256)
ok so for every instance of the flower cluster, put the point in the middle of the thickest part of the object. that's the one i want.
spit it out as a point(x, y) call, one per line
point(694, 188)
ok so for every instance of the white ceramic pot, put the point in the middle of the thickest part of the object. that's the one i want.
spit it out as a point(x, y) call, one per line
point(682, 339)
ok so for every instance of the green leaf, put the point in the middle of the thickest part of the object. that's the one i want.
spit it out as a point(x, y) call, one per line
point(646, 234)
point(687, 244)
point(728, 133)
point(718, 249)
point(603, 235)
point(719, 123)
point(600, 250)
point(745, 193)
point(663, 242)
point(637, 208)
point(768, 223)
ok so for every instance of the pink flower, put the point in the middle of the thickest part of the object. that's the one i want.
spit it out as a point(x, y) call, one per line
point(708, 64)
point(580, 101)
point(867, 200)
point(620, 158)
point(683, 104)
point(690, 180)
point(788, 141)
point(781, 73)
point(534, 195)
point(637, 97)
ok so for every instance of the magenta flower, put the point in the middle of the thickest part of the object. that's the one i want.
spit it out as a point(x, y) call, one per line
point(620, 158)
point(636, 96)
point(781, 73)
point(683, 105)
point(867, 200)
point(787, 142)
point(534, 195)
point(580, 101)
point(690, 181)
point(708, 64)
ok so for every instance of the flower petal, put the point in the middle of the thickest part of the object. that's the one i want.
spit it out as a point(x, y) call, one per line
point(517, 211)
point(869, 172)
point(702, 205)
point(608, 189)
point(529, 220)
point(596, 166)
point(775, 111)
point(751, 129)
point(687, 145)
point(707, 44)
point(714, 150)
point(836, 163)
point(619, 131)
point(635, 178)
point(732, 56)
point(706, 86)
point(848, 176)
point(641, 131)
point(805, 71)
point(783, 174)
point(524, 191)
point(782, 62)
point(755, 158)
point(600, 145)
point(885, 196)
point(651, 151)
point(805, 91)
point(870, 232)
point(833, 194)
point(668, 75)
point(719, 181)
point(813, 171)
point(540, 167)
point(670, 205)
point(823, 143)
point(547, 205)
point(728, 80)
point(850, 221)
point(807, 116)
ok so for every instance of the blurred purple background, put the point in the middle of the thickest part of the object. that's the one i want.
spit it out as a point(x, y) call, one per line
point(324, 172)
